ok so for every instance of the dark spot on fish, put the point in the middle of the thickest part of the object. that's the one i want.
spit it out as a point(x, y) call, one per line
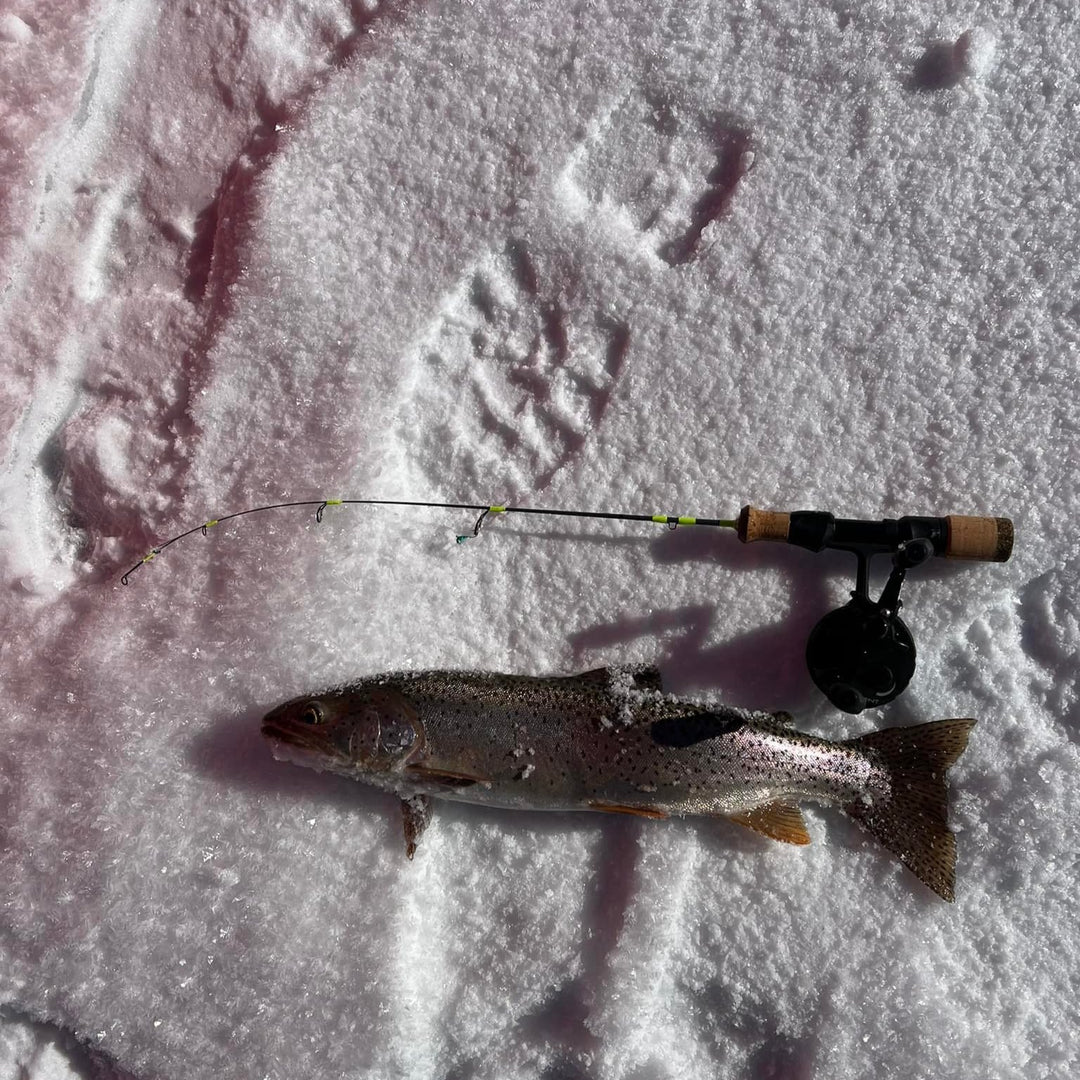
point(688, 730)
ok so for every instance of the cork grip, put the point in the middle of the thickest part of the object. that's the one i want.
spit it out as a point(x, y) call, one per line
point(987, 538)
point(757, 524)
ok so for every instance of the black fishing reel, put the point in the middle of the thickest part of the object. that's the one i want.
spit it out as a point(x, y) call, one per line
point(862, 655)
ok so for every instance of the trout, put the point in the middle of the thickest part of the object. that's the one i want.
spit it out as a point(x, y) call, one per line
point(612, 740)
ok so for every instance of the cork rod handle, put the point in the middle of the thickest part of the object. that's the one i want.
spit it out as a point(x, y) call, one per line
point(986, 538)
point(755, 524)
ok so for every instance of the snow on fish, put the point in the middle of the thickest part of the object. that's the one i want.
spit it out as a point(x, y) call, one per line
point(611, 740)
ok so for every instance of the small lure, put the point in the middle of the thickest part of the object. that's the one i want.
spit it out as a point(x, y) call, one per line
point(611, 740)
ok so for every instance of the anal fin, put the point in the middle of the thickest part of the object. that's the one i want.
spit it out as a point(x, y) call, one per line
point(777, 820)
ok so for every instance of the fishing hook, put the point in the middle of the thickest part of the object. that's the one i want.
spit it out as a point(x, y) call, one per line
point(476, 528)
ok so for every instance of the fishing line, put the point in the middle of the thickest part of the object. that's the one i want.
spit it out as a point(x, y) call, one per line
point(672, 521)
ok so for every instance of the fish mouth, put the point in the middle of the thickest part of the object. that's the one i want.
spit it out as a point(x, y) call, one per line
point(273, 730)
point(302, 747)
point(281, 731)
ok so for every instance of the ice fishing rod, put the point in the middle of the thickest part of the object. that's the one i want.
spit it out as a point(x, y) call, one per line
point(860, 655)
point(670, 520)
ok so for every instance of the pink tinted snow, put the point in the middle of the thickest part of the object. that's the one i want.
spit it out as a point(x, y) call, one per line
point(135, 137)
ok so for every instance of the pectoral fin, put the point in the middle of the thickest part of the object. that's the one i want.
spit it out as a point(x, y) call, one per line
point(638, 811)
point(447, 777)
point(777, 820)
point(415, 815)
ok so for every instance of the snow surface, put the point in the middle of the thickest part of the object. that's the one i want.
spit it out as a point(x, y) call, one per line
point(646, 256)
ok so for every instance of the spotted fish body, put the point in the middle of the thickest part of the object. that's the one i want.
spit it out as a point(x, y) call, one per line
point(611, 740)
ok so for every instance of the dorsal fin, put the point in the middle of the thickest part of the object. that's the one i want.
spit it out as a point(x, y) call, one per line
point(777, 820)
point(643, 676)
point(647, 677)
point(599, 676)
point(773, 721)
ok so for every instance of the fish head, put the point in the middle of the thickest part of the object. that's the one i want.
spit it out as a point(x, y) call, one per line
point(353, 732)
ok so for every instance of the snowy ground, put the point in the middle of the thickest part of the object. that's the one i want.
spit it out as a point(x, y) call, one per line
point(505, 251)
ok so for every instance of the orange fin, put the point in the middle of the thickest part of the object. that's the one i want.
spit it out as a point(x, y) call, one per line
point(445, 776)
point(638, 811)
point(777, 820)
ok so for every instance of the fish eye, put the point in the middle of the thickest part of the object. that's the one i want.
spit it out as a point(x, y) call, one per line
point(312, 714)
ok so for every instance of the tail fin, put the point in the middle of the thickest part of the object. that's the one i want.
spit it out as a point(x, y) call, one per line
point(912, 822)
